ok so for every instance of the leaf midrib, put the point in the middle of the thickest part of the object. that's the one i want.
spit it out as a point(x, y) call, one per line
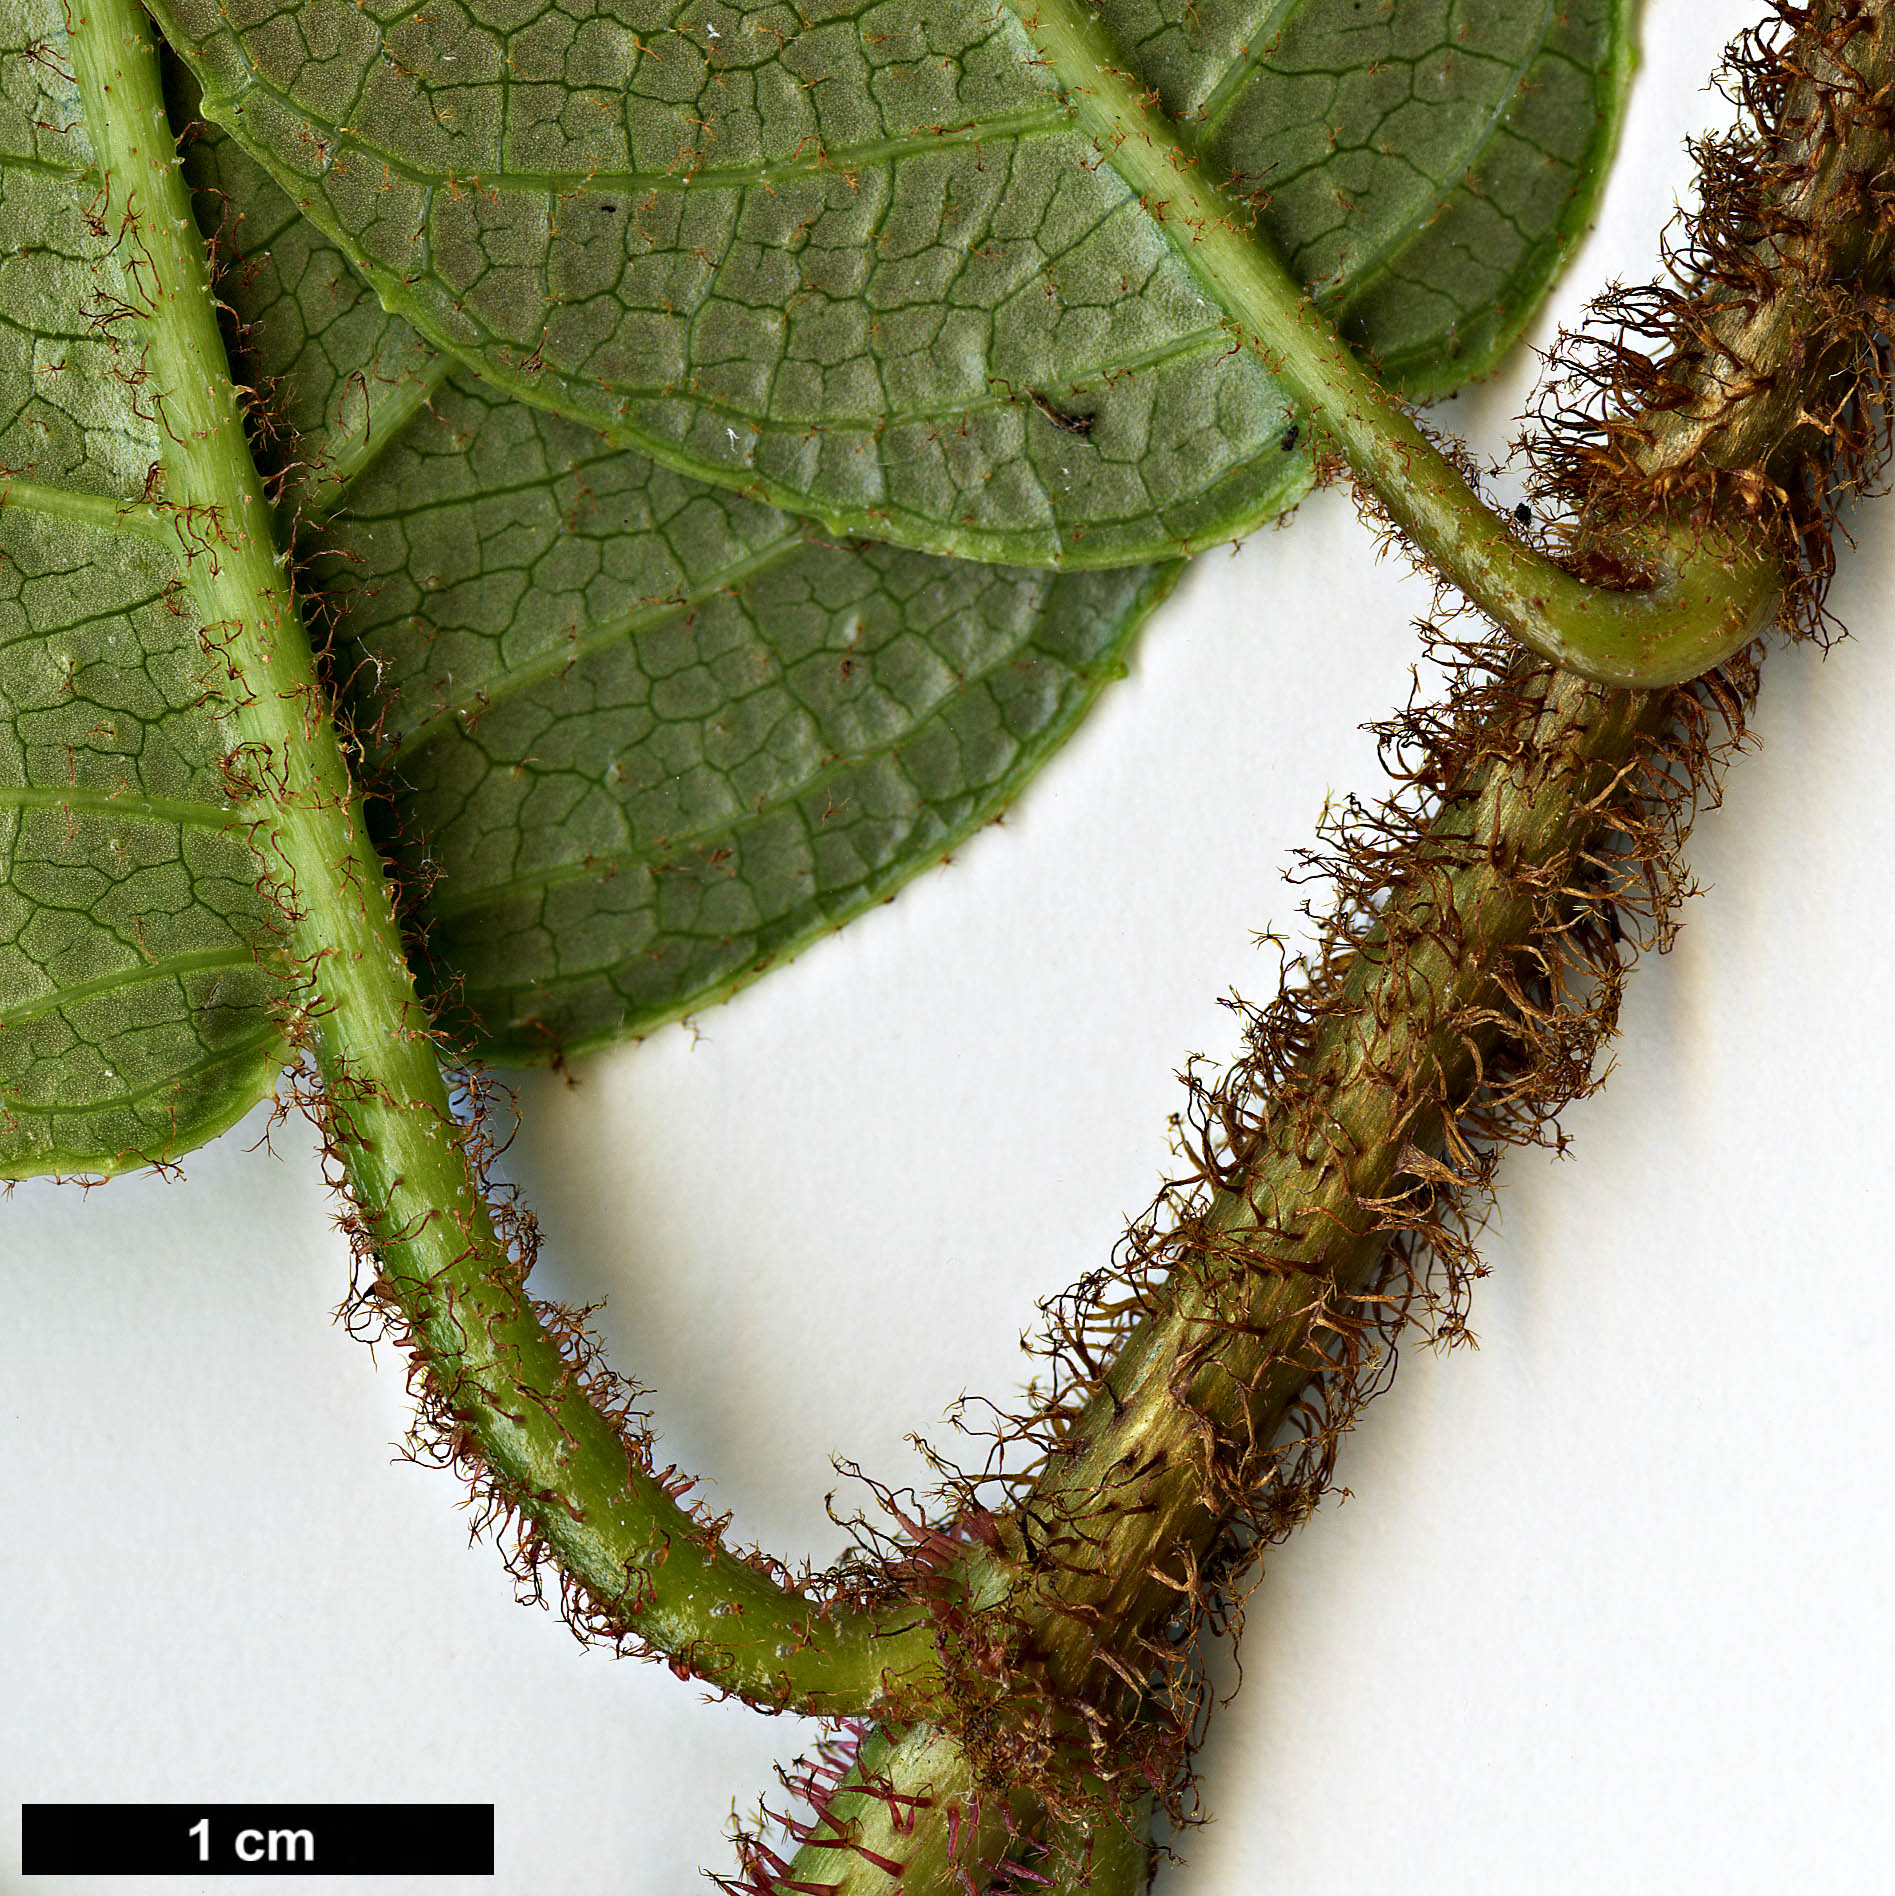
point(825, 162)
point(127, 802)
point(163, 968)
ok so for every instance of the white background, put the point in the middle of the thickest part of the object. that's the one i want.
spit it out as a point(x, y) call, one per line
point(1607, 1610)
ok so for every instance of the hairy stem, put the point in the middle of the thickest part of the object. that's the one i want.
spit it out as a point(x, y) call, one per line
point(495, 1373)
point(907, 1816)
point(1713, 584)
point(1458, 1000)
point(1472, 954)
point(1283, 1267)
point(1064, 1631)
point(1103, 1857)
point(1464, 986)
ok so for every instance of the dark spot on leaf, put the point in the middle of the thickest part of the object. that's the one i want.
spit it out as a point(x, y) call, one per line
point(1079, 425)
point(1292, 435)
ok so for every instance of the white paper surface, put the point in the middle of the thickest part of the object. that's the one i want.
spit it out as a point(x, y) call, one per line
point(1607, 1609)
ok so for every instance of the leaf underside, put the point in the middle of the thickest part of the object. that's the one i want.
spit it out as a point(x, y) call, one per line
point(641, 735)
point(134, 991)
point(863, 264)
point(1428, 166)
point(657, 737)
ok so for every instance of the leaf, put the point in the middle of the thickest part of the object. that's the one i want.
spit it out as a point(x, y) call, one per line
point(134, 979)
point(648, 737)
point(134, 1016)
point(904, 699)
point(1429, 165)
point(864, 265)
point(657, 737)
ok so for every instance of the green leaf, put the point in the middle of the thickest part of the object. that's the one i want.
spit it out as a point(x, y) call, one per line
point(863, 264)
point(1428, 165)
point(657, 737)
point(647, 737)
point(134, 976)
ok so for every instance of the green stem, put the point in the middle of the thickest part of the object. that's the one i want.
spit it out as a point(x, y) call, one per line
point(907, 1818)
point(1191, 1409)
point(1714, 586)
point(1101, 1856)
point(497, 1379)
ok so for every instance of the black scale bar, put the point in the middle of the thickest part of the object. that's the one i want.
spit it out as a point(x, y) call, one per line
point(256, 1839)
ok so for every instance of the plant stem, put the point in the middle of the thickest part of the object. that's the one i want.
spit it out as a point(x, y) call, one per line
point(1459, 997)
point(1270, 1288)
point(1776, 370)
point(497, 1378)
point(1714, 585)
point(1103, 1857)
point(907, 1816)
point(1067, 1636)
